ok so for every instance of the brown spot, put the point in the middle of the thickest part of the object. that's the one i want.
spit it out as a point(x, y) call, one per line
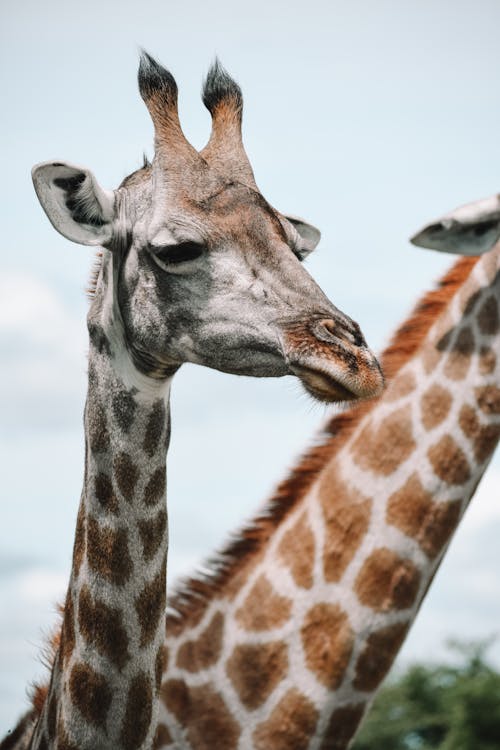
point(52, 717)
point(469, 296)
point(63, 740)
point(126, 475)
point(290, 725)
point(488, 399)
point(263, 608)
point(487, 361)
point(150, 606)
point(412, 510)
point(449, 461)
point(440, 526)
point(67, 643)
point(160, 665)
point(155, 488)
point(154, 428)
point(347, 515)
point(79, 545)
point(153, 533)
point(408, 508)
point(459, 358)
point(97, 429)
point(383, 448)
point(402, 385)
point(104, 493)
point(205, 651)
point(430, 357)
point(436, 403)
point(107, 552)
point(90, 693)
point(175, 696)
point(468, 421)
point(342, 727)
point(484, 437)
point(327, 640)
point(488, 317)
point(138, 712)
point(124, 406)
point(204, 713)
point(486, 442)
point(102, 627)
point(387, 581)
point(377, 656)
point(162, 737)
point(255, 670)
point(297, 551)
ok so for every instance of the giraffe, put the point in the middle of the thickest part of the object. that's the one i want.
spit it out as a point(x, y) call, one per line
point(285, 645)
point(195, 267)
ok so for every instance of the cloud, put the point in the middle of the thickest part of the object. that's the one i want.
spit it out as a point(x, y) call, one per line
point(43, 363)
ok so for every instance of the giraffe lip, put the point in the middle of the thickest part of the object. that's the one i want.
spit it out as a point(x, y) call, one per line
point(322, 386)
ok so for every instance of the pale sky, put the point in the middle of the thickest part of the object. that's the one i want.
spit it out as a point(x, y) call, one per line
point(367, 118)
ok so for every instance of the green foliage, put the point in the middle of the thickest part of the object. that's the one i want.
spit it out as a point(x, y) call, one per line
point(437, 707)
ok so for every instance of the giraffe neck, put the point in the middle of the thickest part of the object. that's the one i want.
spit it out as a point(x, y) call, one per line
point(290, 647)
point(106, 673)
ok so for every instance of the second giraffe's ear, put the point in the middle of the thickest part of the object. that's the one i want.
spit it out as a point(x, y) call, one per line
point(472, 229)
point(310, 235)
point(77, 206)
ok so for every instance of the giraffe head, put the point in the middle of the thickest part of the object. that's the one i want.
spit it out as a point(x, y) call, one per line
point(472, 229)
point(197, 266)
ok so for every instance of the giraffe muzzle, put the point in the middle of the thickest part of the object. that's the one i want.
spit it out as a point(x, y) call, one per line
point(332, 360)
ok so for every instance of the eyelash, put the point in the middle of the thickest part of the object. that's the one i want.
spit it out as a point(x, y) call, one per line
point(185, 251)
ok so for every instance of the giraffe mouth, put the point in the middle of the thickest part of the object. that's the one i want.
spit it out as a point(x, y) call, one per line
point(322, 386)
point(333, 363)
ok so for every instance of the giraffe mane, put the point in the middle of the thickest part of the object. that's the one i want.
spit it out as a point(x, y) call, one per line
point(191, 597)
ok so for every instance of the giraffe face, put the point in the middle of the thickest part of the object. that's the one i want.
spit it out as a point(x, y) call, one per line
point(222, 277)
point(199, 268)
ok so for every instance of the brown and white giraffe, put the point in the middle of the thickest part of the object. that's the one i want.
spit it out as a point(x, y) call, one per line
point(286, 644)
point(196, 267)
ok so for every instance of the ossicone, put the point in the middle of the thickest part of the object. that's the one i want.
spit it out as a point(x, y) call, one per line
point(219, 88)
point(158, 89)
point(156, 82)
point(224, 151)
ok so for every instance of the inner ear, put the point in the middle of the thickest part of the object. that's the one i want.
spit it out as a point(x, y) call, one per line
point(309, 235)
point(76, 205)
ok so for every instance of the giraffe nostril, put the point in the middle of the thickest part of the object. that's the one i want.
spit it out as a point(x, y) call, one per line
point(329, 325)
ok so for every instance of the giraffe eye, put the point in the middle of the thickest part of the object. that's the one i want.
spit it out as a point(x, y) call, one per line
point(185, 251)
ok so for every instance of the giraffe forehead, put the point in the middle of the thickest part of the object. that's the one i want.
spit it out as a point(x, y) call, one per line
point(213, 205)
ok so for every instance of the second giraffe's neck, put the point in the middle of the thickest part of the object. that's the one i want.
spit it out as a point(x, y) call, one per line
point(289, 642)
point(106, 673)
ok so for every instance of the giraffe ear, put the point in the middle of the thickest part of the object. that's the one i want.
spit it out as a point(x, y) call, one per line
point(310, 235)
point(74, 202)
point(472, 229)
